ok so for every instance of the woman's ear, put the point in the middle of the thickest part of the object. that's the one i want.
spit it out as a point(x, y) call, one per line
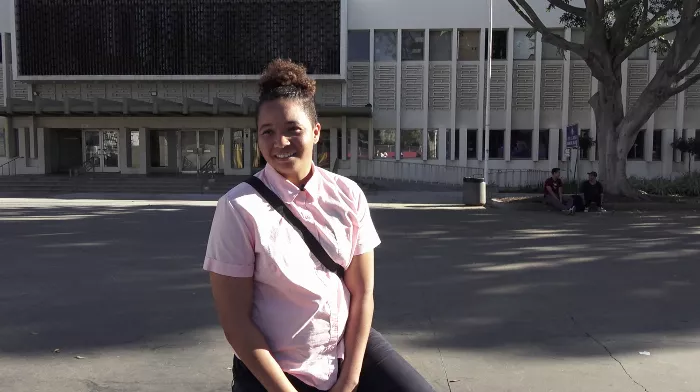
point(317, 132)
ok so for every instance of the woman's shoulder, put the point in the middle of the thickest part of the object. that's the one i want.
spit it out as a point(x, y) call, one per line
point(342, 184)
point(242, 196)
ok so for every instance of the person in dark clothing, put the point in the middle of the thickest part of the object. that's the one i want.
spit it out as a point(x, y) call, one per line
point(592, 191)
point(554, 194)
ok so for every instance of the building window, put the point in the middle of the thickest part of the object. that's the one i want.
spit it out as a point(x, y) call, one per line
point(411, 143)
point(412, 45)
point(456, 144)
point(237, 149)
point(3, 152)
point(385, 45)
point(656, 154)
point(524, 45)
point(362, 144)
point(500, 44)
point(521, 144)
point(441, 45)
point(448, 144)
point(496, 144)
point(433, 136)
point(133, 154)
point(385, 143)
point(551, 52)
point(543, 153)
point(468, 45)
point(637, 149)
point(358, 45)
point(471, 143)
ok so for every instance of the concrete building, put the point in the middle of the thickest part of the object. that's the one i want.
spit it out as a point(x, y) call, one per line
point(169, 86)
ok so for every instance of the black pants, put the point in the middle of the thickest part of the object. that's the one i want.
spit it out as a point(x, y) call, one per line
point(383, 369)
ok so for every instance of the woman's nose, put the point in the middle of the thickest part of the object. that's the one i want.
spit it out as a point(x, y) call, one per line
point(281, 141)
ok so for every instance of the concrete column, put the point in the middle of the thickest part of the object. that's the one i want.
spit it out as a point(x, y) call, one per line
point(453, 93)
point(6, 70)
point(399, 90)
point(441, 146)
point(509, 97)
point(554, 135)
point(536, 108)
point(124, 147)
point(426, 93)
point(667, 152)
point(42, 159)
point(482, 93)
point(225, 164)
point(354, 151)
point(144, 151)
point(248, 150)
point(649, 137)
point(565, 102)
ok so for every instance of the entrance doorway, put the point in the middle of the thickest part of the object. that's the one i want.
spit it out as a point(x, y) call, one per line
point(198, 148)
point(102, 149)
point(69, 151)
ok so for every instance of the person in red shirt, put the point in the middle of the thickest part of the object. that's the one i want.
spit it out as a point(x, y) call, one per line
point(554, 194)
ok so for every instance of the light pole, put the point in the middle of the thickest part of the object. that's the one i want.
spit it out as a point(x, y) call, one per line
point(487, 122)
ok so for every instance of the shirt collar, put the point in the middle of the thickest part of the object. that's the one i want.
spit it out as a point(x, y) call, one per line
point(288, 191)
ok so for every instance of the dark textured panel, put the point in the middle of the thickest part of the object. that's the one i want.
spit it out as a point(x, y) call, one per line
point(175, 37)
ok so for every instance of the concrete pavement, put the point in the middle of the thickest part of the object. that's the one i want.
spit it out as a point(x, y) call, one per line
point(478, 300)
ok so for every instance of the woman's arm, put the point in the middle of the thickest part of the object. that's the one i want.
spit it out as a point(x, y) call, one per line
point(359, 279)
point(233, 298)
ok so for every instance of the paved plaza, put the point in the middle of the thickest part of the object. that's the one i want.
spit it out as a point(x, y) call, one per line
point(109, 296)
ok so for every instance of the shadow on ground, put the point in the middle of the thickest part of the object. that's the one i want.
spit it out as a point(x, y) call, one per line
point(94, 276)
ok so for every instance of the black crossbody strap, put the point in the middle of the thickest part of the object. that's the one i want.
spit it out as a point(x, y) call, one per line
point(314, 246)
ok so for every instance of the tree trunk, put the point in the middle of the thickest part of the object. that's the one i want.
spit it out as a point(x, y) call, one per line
point(613, 140)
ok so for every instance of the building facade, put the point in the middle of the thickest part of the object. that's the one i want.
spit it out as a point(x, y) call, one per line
point(169, 86)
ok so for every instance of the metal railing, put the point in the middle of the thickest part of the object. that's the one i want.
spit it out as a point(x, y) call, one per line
point(377, 169)
point(9, 168)
point(208, 168)
point(88, 166)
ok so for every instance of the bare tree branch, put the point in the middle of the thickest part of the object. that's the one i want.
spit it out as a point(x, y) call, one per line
point(577, 11)
point(687, 70)
point(530, 16)
point(632, 46)
point(684, 86)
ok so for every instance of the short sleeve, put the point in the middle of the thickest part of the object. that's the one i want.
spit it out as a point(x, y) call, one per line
point(230, 250)
point(367, 236)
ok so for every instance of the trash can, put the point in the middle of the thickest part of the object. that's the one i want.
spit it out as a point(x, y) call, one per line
point(473, 191)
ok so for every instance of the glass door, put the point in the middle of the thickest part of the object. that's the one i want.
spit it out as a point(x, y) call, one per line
point(198, 148)
point(102, 149)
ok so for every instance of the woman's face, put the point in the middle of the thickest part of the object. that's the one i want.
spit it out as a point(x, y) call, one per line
point(286, 138)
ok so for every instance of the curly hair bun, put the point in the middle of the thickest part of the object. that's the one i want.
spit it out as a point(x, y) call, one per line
point(285, 75)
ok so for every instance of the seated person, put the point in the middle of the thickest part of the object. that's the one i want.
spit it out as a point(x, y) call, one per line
point(592, 192)
point(554, 194)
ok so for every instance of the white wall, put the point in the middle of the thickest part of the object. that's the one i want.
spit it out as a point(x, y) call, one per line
point(433, 14)
point(6, 11)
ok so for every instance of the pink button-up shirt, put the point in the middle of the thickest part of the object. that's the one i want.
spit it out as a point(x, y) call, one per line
point(299, 306)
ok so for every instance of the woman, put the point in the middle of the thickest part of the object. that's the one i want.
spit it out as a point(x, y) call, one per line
point(293, 324)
